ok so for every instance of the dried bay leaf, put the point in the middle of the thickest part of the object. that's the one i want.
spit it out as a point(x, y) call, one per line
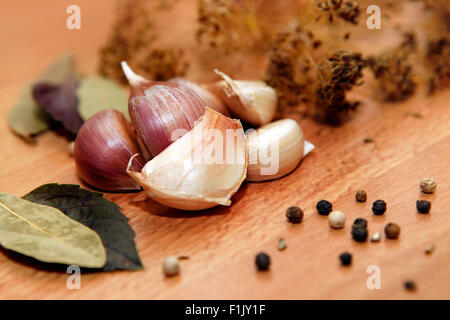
point(27, 119)
point(60, 101)
point(97, 213)
point(46, 234)
point(98, 93)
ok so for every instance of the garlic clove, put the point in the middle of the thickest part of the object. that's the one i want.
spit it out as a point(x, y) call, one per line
point(102, 149)
point(157, 109)
point(252, 101)
point(202, 169)
point(274, 150)
point(208, 97)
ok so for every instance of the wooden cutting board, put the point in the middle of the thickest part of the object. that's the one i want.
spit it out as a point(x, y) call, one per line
point(222, 243)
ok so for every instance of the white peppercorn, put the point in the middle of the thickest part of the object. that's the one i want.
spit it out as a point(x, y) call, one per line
point(376, 237)
point(171, 266)
point(336, 219)
point(428, 185)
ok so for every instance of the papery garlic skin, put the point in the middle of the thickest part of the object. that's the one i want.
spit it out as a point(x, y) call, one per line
point(102, 151)
point(208, 97)
point(252, 101)
point(187, 176)
point(274, 150)
point(157, 109)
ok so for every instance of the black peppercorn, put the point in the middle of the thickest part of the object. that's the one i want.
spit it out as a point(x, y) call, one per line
point(294, 214)
point(359, 234)
point(359, 222)
point(410, 285)
point(361, 196)
point(423, 206)
point(324, 207)
point(262, 261)
point(346, 259)
point(379, 207)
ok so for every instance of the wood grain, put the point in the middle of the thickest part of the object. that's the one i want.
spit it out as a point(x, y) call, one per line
point(223, 242)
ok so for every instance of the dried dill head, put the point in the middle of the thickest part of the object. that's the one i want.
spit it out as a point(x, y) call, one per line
point(347, 10)
point(438, 57)
point(164, 64)
point(290, 71)
point(131, 39)
point(337, 75)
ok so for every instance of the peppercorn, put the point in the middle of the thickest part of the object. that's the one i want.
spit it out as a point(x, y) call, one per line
point(359, 234)
point(360, 222)
point(171, 266)
point(282, 244)
point(430, 249)
point(336, 219)
point(423, 206)
point(361, 196)
point(346, 259)
point(294, 214)
point(428, 185)
point(379, 207)
point(410, 285)
point(324, 207)
point(262, 261)
point(392, 230)
point(376, 237)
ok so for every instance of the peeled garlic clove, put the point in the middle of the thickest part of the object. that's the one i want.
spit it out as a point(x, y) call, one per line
point(252, 101)
point(202, 169)
point(274, 150)
point(157, 109)
point(102, 149)
point(209, 98)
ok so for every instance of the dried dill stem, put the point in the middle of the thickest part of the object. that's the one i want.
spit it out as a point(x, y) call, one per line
point(291, 70)
point(337, 75)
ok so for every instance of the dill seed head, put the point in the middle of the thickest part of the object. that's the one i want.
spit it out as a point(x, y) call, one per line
point(392, 230)
point(262, 261)
point(294, 214)
point(361, 196)
point(359, 234)
point(379, 207)
point(346, 258)
point(423, 206)
point(428, 185)
point(324, 207)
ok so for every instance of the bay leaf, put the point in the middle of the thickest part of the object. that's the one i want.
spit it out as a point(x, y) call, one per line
point(98, 93)
point(46, 234)
point(97, 213)
point(27, 119)
point(60, 101)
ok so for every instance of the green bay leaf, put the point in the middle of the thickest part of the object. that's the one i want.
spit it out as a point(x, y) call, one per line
point(97, 213)
point(27, 119)
point(46, 234)
point(97, 93)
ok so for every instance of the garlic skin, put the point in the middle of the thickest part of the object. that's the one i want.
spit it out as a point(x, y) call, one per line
point(102, 149)
point(157, 109)
point(187, 176)
point(274, 150)
point(252, 101)
point(208, 97)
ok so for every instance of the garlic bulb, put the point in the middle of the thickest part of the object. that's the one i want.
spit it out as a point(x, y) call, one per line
point(252, 101)
point(157, 109)
point(102, 149)
point(202, 169)
point(209, 98)
point(274, 150)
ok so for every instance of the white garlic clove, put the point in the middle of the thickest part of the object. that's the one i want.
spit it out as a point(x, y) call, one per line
point(200, 170)
point(274, 150)
point(252, 101)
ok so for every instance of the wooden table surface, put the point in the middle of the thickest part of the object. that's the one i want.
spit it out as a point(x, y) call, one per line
point(222, 242)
